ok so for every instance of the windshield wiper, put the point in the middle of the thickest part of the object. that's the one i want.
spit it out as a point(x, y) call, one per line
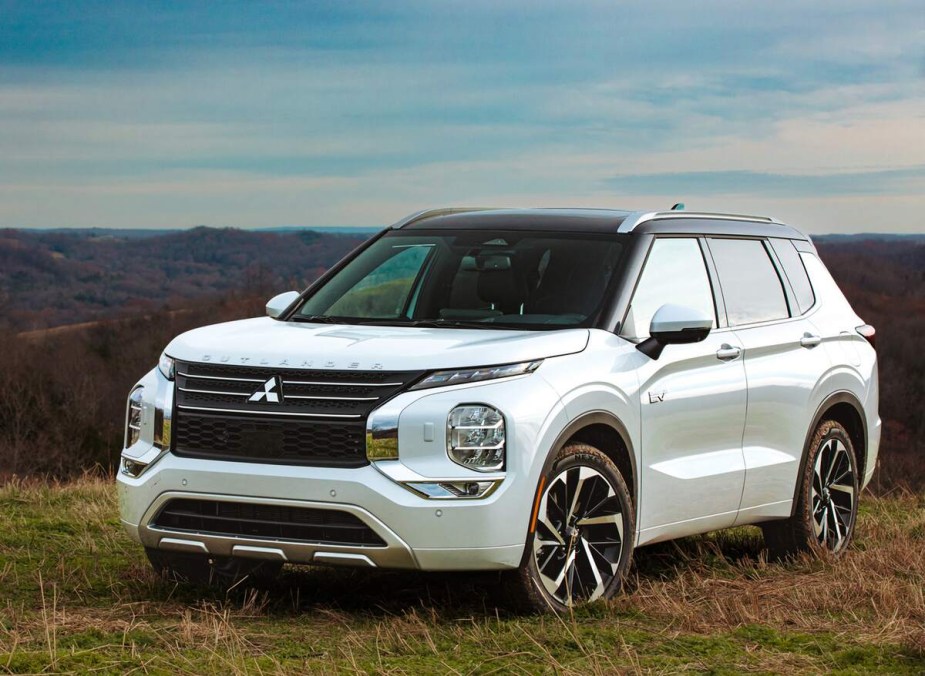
point(322, 319)
point(428, 323)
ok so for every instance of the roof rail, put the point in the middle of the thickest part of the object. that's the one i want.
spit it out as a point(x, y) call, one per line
point(640, 217)
point(432, 213)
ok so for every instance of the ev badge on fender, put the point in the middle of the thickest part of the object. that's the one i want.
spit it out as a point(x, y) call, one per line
point(271, 391)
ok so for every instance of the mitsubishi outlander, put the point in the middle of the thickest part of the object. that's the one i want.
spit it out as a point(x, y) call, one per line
point(538, 391)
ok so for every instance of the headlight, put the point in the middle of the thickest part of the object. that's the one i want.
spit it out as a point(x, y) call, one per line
point(475, 437)
point(167, 366)
point(133, 420)
point(459, 376)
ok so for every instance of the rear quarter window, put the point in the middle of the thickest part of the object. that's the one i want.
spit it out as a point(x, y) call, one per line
point(796, 273)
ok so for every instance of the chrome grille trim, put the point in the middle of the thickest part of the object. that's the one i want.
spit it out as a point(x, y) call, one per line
point(336, 384)
point(352, 416)
point(240, 380)
point(299, 396)
point(223, 393)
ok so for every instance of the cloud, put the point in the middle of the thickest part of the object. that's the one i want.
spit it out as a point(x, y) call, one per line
point(712, 183)
point(326, 113)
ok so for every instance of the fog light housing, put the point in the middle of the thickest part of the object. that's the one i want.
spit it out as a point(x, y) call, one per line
point(132, 468)
point(452, 490)
point(475, 437)
point(133, 417)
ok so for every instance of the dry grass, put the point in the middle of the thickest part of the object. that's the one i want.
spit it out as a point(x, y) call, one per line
point(77, 596)
point(876, 593)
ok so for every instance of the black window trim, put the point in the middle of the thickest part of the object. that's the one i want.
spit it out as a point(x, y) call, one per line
point(783, 272)
point(613, 314)
point(792, 305)
point(810, 280)
point(719, 302)
point(415, 292)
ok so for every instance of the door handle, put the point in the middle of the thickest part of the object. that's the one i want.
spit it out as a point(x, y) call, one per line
point(810, 340)
point(728, 352)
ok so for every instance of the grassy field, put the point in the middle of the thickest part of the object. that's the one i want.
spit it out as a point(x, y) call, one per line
point(76, 595)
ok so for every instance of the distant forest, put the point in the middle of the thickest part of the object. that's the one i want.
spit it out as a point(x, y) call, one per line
point(62, 392)
point(51, 278)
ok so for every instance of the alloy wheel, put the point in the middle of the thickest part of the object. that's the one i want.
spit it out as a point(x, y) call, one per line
point(579, 535)
point(833, 495)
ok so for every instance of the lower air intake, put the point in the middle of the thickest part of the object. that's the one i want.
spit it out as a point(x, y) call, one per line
point(266, 522)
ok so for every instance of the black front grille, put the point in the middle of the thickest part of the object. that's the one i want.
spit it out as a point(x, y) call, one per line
point(267, 522)
point(284, 416)
point(271, 441)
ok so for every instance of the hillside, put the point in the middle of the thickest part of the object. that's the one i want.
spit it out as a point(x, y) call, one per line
point(64, 415)
point(52, 278)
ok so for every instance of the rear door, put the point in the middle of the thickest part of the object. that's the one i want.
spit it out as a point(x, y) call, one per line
point(692, 403)
point(782, 362)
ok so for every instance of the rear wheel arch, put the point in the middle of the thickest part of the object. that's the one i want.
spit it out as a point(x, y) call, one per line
point(846, 409)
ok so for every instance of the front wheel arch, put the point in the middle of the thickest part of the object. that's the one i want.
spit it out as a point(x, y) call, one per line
point(604, 431)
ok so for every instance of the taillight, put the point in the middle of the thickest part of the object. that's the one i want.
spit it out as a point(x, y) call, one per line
point(869, 333)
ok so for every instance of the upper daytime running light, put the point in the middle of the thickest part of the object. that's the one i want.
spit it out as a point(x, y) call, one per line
point(135, 411)
point(167, 366)
point(461, 376)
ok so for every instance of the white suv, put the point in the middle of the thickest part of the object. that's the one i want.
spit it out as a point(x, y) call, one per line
point(539, 391)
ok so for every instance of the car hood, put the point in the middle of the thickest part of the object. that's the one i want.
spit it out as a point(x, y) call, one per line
point(269, 342)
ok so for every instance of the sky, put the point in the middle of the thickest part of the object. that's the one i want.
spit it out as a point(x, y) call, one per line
point(335, 113)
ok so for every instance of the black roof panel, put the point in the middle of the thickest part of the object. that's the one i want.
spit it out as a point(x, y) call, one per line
point(575, 220)
point(595, 220)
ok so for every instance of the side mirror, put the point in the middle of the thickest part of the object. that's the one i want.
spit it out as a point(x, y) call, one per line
point(280, 302)
point(675, 324)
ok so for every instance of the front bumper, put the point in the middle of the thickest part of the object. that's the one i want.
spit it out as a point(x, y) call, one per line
point(419, 533)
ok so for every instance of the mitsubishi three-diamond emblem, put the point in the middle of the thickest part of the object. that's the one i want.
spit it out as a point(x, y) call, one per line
point(270, 392)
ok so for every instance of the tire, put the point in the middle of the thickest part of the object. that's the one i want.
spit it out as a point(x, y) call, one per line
point(582, 551)
point(827, 500)
point(219, 572)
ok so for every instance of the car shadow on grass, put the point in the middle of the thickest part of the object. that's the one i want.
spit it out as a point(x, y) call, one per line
point(304, 589)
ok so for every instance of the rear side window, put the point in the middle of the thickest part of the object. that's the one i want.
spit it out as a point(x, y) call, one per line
point(796, 272)
point(751, 287)
point(674, 273)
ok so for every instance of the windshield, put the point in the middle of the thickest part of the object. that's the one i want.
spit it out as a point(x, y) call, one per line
point(473, 278)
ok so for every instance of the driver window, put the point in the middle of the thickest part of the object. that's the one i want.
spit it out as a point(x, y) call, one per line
point(674, 273)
